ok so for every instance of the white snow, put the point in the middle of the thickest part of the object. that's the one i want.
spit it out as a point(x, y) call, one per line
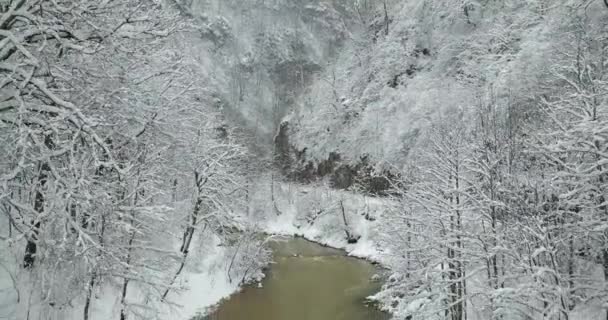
point(203, 283)
point(207, 283)
point(295, 202)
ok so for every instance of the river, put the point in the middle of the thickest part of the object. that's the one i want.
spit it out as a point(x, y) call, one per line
point(307, 282)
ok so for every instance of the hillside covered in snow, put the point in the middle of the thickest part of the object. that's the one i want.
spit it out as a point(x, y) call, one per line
point(149, 150)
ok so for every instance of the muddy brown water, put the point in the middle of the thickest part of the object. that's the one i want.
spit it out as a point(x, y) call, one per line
point(307, 282)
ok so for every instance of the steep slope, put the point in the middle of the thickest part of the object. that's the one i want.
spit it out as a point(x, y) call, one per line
point(261, 55)
point(364, 114)
point(498, 109)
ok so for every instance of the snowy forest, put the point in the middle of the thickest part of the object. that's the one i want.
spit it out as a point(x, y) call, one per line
point(304, 159)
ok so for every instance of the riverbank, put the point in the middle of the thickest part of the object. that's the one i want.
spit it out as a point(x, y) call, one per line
point(311, 212)
point(314, 213)
point(317, 213)
point(203, 282)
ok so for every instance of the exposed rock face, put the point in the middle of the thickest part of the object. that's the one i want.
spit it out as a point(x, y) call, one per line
point(264, 54)
point(343, 177)
point(326, 167)
point(282, 148)
point(360, 175)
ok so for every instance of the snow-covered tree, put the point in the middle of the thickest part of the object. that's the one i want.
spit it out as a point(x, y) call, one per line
point(93, 98)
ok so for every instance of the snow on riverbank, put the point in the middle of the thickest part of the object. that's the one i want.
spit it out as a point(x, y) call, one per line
point(204, 282)
point(207, 281)
point(315, 213)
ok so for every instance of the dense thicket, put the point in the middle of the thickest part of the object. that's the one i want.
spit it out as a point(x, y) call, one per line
point(504, 215)
point(109, 154)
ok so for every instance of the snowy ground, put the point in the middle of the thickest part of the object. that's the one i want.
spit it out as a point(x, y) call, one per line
point(313, 212)
point(205, 282)
point(297, 205)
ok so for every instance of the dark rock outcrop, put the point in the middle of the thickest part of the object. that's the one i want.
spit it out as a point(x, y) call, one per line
point(360, 175)
point(282, 154)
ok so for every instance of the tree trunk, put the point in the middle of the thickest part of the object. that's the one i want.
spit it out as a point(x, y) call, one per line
point(571, 285)
point(275, 208)
point(31, 247)
point(93, 279)
point(189, 232)
point(32, 239)
point(350, 238)
point(10, 225)
point(123, 314)
point(87, 302)
point(605, 256)
point(386, 19)
point(125, 285)
point(174, 196)
point(458, 255)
